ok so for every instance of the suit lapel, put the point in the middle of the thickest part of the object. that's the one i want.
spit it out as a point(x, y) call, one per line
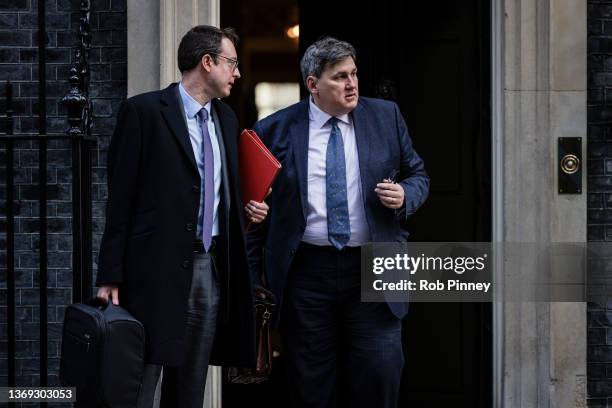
point(227, 126)
point(363, 139)
point(299, 133)
point(176, 121)
point(224, 163)
point(360, 125)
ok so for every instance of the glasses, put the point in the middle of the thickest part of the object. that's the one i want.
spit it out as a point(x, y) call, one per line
point(234, 62)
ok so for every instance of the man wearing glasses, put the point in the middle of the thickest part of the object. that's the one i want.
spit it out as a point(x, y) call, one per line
point(173, 251)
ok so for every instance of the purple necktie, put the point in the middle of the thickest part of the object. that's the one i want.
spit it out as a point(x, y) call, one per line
point(209, 183)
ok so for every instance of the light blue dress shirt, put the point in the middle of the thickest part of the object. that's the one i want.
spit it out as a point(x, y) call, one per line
point(316, 220)
point(192, 107)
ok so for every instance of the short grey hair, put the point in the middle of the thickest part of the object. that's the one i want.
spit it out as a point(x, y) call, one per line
point(323, 53)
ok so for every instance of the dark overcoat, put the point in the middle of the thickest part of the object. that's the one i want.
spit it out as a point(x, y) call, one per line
point(152, 210)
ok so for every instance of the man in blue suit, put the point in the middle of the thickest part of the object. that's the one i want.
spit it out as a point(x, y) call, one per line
point(333, 195)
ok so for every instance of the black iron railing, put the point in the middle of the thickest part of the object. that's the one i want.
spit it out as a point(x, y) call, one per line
point(79, 133)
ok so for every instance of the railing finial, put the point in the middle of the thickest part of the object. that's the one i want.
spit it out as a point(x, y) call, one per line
point(80, 112)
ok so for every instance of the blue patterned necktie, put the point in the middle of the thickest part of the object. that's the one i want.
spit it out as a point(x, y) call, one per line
point(208, 191)
point(338, 227)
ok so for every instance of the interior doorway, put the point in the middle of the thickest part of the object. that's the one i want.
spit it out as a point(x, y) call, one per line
point(433, 60)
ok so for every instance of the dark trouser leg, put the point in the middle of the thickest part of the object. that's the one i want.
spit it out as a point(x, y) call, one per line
point(183, 387)
point(309, 330)
point(373, 357)
point(150, 377)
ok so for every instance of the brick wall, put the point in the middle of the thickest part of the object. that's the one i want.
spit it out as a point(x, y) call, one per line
point(599, 213)
point(19, 63)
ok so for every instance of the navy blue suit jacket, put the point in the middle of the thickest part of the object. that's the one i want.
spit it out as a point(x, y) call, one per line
point(383, 144)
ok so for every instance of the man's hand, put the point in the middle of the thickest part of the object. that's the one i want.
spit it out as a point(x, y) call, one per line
point(257, 212)
point(109, 290)
point(391, 195)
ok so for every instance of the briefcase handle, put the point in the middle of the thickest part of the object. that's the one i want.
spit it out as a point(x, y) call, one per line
point(98, 303)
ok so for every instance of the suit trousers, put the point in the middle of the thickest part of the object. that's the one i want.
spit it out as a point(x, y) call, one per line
point(339, 351)
point(183, 387)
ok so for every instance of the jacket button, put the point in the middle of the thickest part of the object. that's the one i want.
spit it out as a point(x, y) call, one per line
point(189, 227)
point(292, 252)
point(185, 264)
point(195, 189)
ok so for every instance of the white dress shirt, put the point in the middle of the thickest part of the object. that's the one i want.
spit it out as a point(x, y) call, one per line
point(192, 107)
point(316, 220)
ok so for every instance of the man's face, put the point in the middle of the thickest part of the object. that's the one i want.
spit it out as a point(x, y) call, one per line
point(224, 72)
point(336, 91)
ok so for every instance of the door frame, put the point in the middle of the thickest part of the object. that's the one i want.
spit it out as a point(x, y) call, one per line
point(497, 183)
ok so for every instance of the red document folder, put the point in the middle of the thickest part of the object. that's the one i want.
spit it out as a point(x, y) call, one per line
point(258, 167)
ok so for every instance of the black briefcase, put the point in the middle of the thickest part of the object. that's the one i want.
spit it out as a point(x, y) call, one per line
point(102, 354)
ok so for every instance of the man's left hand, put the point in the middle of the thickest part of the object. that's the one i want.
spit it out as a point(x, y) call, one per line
point(391, 195)
point(256, 212)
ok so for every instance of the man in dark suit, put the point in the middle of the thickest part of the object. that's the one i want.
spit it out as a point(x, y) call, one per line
point(333, 195)
point(173, 249)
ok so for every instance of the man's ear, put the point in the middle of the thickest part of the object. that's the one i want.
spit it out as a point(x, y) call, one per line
point(311, 84)
point(206, 62)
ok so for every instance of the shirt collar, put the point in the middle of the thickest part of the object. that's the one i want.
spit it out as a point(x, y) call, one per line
point(192, 107)
point(319, 117)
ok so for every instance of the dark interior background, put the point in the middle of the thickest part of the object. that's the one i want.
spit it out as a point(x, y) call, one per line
point(265, 52)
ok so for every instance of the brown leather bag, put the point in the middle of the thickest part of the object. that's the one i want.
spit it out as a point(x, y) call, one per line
point(263, 312)
point(264, 306)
